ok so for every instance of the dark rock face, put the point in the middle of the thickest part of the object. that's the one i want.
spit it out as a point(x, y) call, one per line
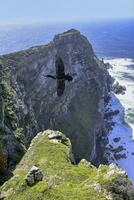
point(79, 112)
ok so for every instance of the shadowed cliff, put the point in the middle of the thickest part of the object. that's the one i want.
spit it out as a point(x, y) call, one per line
point(31, 103)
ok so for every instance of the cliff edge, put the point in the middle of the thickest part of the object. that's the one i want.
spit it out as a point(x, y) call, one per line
point(50, 151)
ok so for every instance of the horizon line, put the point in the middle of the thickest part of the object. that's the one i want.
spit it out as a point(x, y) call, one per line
point(65, 21)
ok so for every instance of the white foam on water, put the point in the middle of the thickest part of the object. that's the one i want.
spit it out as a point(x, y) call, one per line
point(123, 72)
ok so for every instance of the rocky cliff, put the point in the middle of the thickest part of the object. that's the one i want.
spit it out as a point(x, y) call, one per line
point(29, 101)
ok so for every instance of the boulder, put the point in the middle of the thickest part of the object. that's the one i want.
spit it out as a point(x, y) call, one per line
point(117, 139)
point(108, 66)
point(113, 169)
point(57, 137)
point(86, 163)
point(33, 176)
point(118, 89)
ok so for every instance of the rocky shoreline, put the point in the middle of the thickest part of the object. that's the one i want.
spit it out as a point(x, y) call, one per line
point(121, 145)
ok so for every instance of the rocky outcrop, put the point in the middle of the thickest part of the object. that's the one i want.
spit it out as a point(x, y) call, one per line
point(33, 176)
point(62, 180)
point(31, 103)
point(118, 89)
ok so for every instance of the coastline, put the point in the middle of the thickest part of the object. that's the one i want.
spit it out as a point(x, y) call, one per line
point(120, 148)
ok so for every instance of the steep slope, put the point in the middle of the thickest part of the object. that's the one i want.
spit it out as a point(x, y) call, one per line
point(30, 103)
point(62, 180)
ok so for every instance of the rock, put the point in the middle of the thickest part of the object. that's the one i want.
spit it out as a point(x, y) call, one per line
point(118, 149)
point(108, 66)
point(118, 89)
point(72, 157)
point(113, 169)
point(86, 163)
point(57, 137)
point(1, 196)
point(33, 176)
point(97, 187)
point(109, 114)
point(38, 176)
point(30, 179)
point(116, 139)
point(118, 156)
point(121, 187)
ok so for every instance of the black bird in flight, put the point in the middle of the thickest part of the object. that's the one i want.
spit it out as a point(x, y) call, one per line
point(61, 77)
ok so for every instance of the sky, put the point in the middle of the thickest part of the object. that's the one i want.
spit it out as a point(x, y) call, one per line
point(40, 11)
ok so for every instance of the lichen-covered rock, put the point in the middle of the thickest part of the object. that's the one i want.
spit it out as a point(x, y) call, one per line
point(56, 136)
point(113, 169)
point(33, 176)
point(86, 163)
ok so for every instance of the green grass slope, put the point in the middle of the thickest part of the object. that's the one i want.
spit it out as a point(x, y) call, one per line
point(63, 180)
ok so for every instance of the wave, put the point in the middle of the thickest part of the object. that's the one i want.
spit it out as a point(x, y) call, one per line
point(121, 137)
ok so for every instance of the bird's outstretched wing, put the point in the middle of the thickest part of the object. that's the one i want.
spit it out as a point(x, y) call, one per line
point(50, 76)
point(60, 86)
point(60, 74)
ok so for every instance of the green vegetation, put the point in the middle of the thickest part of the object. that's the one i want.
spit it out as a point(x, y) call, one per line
point(8, 120)
point(62, 180)
point(3, 163)
point(8, 94)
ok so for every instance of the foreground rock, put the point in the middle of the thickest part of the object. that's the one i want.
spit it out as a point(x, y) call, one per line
point(33, 176)
point(63, 180)
point(108, 66)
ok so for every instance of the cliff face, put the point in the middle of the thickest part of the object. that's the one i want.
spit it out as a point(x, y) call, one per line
point(29, 100)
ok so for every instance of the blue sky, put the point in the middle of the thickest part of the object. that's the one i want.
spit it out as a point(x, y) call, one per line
point(34, 11)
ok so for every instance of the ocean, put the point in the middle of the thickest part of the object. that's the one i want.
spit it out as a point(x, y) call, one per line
point(111, 40)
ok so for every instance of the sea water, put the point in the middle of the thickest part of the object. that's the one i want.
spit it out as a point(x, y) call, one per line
point(121, 137)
